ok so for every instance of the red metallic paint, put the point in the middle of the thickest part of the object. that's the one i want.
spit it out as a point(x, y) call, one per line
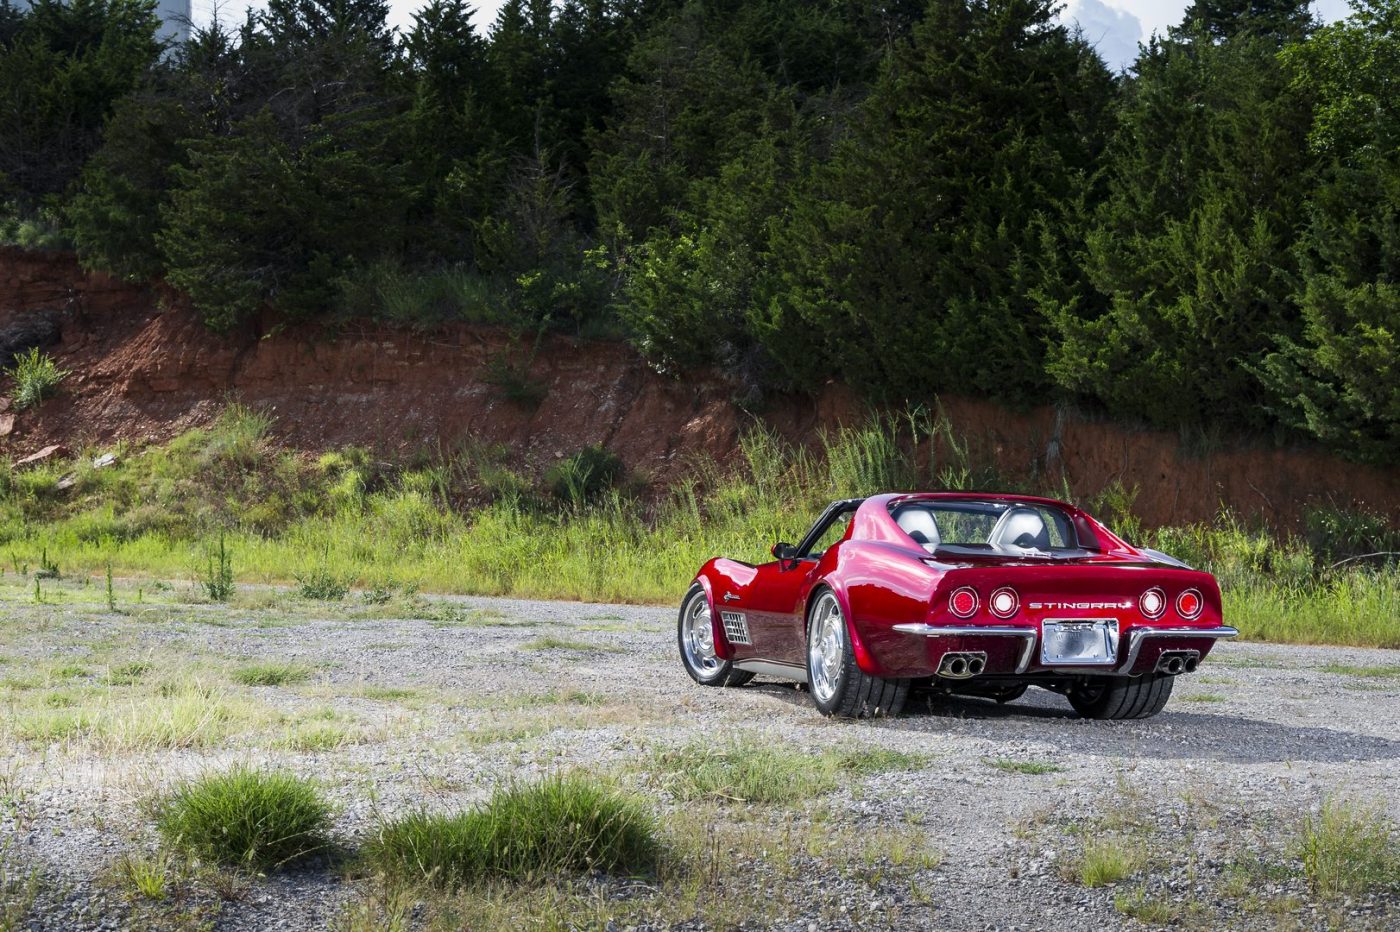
point(882, 578)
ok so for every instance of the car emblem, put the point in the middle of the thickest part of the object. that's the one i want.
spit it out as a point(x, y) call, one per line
point(1079, 606)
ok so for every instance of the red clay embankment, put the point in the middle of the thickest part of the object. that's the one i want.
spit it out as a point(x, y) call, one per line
point(144, 369)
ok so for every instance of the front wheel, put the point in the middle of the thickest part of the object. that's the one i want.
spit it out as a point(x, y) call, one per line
point(838, 685)
point(1122, 697)
point(696, 636)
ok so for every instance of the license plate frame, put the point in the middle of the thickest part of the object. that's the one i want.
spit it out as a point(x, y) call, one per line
point(1106, 628)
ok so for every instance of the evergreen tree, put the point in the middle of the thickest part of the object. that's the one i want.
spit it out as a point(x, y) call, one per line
point(916, 255)
point(1189, 255)
point(1339, 379)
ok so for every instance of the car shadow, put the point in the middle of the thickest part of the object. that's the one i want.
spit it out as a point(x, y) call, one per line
point(1174, 733)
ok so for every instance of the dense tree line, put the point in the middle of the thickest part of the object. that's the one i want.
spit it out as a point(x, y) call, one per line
point(912, 196)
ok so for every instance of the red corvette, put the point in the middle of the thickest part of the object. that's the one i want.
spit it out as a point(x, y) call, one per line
point(974, 594)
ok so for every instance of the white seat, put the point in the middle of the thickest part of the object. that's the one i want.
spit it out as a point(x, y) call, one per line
point(918, 523)
point(1021, 529)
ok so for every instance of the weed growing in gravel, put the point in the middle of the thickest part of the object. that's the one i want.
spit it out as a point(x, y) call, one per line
point(749, 771)
point(128, 674)
point(1348, 849)
point(528, 832)
point(271, 673)
point(218, 574)
point(1203, 697)
point(144, 875)
point(1155, 911)
point(20, 883)
point(245, 818)
point(1104, 860)
point(550, 642)
point(1346, 669)
point(1030, 767)
point(321, 584)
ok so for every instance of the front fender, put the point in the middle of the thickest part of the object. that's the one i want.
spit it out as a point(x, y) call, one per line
point(723, 649)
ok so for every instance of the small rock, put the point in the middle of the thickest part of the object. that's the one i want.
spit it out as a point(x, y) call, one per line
point(47, 453)
point(105, 460)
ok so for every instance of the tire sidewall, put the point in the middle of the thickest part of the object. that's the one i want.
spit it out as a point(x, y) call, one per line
point(722, 671)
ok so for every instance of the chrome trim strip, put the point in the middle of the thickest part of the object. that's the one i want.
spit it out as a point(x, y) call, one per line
point(997, 631)
point(788, 671)
point(1137, 636)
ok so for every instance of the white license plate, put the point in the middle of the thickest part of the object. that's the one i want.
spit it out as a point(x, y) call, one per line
point(1071, 641)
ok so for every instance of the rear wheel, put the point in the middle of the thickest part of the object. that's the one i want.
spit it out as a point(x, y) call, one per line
point(695, 635)
point(1116, 698)
point(838, 685)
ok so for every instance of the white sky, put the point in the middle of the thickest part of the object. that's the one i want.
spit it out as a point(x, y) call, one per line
point(1115, 26)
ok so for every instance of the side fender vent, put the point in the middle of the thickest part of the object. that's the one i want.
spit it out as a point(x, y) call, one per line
point(736, 627)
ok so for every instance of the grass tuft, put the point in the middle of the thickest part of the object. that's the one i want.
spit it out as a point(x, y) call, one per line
point(36, 377)
point(1105, 860)
point(527, 832)
point(1030, 767)
point(747, 771)
point(245, 818)
point(272, 673)
point(1347, 849)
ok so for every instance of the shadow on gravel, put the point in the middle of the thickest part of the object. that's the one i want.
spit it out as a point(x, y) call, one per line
point(1173, 734)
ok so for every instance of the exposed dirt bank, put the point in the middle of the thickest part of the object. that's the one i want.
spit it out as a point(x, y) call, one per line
point(145, 369)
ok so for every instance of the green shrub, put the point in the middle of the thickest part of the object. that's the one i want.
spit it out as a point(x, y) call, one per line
point(323, 585)
point(1343, 533)
point(527, 832)
point(584, 476)
point(218, 573)
point(36, 377)
point(245, 818)
point(514, 382)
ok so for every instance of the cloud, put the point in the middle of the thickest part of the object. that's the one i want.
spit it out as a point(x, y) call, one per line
point(1115, 33)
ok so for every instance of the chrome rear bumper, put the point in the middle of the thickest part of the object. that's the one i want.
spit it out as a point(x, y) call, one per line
point(1136, 638)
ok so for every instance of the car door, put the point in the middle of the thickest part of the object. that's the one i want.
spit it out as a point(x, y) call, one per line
point(775, 600)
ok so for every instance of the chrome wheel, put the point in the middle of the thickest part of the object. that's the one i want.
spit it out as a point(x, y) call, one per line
point(826, 648)
point(698, 639)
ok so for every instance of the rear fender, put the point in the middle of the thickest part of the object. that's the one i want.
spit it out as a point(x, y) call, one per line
point(864, 660)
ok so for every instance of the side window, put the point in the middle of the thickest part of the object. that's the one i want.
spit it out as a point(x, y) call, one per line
point(833, 532)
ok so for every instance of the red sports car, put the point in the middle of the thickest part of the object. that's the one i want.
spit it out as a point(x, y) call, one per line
point(968, 593)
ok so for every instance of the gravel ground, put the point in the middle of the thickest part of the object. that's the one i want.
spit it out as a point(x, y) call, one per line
point(1209, 794)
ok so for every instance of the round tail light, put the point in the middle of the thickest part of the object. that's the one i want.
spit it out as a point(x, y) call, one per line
point(1189, 604)
point(1153, 603)
point(963, 602)
point(1004, 602)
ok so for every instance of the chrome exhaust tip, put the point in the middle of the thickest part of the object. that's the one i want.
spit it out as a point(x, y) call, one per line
point(962, 664)
point(975, 666)
point(957, 667)
point(1175, 665)
point(1192, 663)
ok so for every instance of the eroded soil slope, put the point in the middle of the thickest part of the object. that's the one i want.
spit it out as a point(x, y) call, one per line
point(144, 368)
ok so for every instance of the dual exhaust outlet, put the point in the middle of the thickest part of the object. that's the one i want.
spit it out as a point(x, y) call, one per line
point(960, 665)
point(1176, 662)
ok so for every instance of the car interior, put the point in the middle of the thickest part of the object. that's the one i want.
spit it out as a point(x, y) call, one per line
point(987, 527)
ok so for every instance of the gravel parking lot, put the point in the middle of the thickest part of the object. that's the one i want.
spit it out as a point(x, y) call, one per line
point(988, 817)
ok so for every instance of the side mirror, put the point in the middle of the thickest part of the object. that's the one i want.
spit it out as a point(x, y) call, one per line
point(784, 552)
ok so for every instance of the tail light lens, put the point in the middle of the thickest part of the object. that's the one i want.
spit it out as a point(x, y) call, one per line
point(1004, 602)
point(963, 602)
point(1189, 604)
point(1153, 603)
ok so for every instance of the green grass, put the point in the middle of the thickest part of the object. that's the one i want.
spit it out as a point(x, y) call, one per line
point(550, 642)
point(1105, 860)
point(245, 818)
point(1345, 669)
point(1029, 767)
point(347, 520)
point(1349, 849)
point(750, 771)
point(526, 832)
point(272, 673)
point(1204, 698)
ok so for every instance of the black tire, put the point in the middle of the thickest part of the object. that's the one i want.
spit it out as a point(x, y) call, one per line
point(707, 671)
point(1122, 697)
point(1010, 694)
point(854, 694)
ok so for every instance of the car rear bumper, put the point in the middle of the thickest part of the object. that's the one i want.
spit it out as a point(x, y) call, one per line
point(1137, 639)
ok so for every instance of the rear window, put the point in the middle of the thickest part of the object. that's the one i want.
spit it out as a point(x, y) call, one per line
point(973, 527)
